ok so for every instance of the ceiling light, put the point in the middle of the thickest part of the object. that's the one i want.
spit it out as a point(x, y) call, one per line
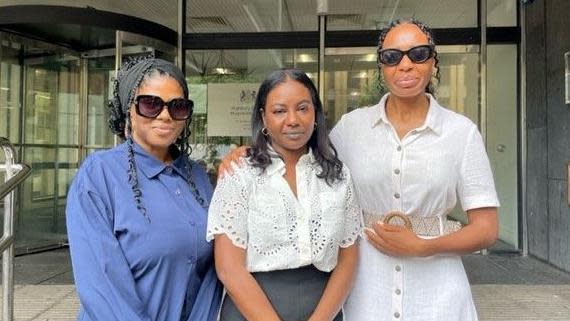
point(368, 57)
point(306, 58)
point(223, 71)
point(362, 74)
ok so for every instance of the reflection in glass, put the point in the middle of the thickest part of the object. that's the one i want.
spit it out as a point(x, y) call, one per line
point(459, 86)
point(501, 13)
point(352, 80)
point(376, 15)
point(52, 101)
point(251, 16)
point(100, 73)
point(10, 101)
point(234, 68)
point(47, 77)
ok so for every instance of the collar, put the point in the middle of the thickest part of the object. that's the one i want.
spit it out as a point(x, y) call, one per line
point(433, 118)
point(151, 167)
point(278, 165)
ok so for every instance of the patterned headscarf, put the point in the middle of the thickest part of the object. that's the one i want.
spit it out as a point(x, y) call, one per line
point(127, 82)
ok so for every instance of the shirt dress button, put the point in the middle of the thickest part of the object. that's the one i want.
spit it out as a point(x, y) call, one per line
point(396, 315)
point(168, 170)
point(398, 268)
point(396, 171)
point(397, 195)
point(399, 148)
point(177, 192)
point(398, 291)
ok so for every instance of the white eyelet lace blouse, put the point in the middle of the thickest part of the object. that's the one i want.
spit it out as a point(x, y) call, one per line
point(258, 212)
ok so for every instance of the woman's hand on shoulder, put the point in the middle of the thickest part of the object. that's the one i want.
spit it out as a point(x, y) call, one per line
point(234, 156)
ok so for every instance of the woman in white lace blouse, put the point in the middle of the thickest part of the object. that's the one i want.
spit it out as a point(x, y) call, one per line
point(286, 224)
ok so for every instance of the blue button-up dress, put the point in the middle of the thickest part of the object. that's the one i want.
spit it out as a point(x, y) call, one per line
point(128, 267)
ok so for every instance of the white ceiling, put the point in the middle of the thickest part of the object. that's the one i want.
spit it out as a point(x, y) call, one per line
point(291, 15)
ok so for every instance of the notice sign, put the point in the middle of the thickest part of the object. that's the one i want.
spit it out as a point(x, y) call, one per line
point(229, 109)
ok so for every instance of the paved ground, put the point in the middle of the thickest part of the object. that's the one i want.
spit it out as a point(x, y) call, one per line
point(506, 287)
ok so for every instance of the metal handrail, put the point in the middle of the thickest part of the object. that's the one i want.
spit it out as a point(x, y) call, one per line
point(15, 175)
point(14, 181)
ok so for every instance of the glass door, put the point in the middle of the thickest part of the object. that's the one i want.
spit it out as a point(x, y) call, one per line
point(51, 104)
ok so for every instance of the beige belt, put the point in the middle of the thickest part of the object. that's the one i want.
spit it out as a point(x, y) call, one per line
point(425, 226)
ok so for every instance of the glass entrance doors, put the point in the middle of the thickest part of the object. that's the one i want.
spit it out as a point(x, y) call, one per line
point(42, 100)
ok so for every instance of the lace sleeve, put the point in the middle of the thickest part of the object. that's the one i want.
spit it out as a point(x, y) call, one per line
point(229, 209)
point(353, 215)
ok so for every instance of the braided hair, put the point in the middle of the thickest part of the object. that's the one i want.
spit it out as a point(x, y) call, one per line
point(144, 68)
point(431, 87)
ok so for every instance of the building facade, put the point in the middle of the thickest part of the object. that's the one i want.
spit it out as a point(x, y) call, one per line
point(501, 64)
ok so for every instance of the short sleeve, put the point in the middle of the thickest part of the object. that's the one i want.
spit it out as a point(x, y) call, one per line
point(353, 215)
point(476, 188)
point(229, 208)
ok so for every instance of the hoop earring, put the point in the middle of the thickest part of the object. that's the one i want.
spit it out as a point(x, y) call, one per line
point(264, 131)
point(316, 124)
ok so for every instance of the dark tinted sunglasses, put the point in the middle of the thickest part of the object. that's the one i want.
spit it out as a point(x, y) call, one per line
point(418, 55)
point(151, 106)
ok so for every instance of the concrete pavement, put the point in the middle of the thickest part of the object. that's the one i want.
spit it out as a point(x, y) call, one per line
point(505, 287)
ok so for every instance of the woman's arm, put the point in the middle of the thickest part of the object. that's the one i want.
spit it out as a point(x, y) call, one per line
point(338, 285)
point(103, 279)
point(240, 285)
point(480, 232)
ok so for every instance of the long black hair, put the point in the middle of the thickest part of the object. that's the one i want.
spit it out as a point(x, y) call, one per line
point(323, 150)
point(431, 87)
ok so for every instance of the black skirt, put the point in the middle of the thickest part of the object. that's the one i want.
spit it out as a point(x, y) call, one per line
point(294, 293)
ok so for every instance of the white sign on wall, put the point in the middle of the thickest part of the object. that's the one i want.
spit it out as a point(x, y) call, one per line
point(229, 108)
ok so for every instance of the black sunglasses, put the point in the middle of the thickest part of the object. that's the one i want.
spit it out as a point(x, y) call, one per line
point(151, 106)
point(418, 55)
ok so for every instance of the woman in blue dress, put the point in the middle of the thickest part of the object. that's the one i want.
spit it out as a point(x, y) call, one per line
point(136, 214)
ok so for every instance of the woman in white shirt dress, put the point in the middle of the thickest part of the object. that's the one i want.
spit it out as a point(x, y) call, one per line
point(286, 224)
point(410, 155)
